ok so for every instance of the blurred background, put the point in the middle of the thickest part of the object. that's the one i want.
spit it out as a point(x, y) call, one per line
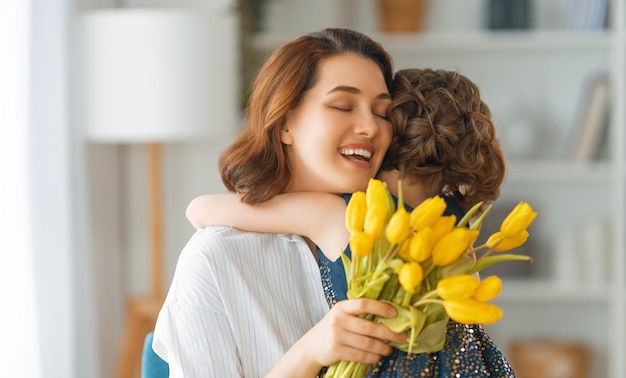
point(113, 115)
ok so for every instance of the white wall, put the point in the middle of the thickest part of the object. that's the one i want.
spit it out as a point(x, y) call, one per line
point(117, 178)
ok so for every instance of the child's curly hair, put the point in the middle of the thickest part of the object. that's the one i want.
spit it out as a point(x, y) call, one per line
point(449, 139)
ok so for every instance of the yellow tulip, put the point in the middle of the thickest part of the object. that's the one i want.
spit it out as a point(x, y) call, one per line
point(453, 245)
point(442, 226)
point(518, 220)
point(411, 274)
point(375, 219)
point(488, 289)
point(470, 311)
point(355, 212)
point(361, 243)
point(422, 245)
point(399, 227)
point(404, 251)
point(499, 243)
point(376, 194)
point(458, 287)
point(427, 212)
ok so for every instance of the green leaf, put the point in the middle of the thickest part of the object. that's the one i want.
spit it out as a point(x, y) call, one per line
point(460, 266)
point(490, 260)
point(371, 288)
point(395, 265)
point(432, 338)
point(434, 313)
point(347, 265)
point(408, 317)
point(390, 288)
point(479, 222)
point(469, 215)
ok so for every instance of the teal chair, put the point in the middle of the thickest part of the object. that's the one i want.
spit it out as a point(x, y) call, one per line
point(152, 366)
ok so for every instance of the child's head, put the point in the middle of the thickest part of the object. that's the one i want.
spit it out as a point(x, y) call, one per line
point(449, 140)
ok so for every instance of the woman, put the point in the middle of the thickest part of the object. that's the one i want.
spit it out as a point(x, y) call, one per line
point(247, 304)
point(448, 147)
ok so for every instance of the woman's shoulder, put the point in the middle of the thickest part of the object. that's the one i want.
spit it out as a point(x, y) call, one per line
point(206, 244)
point(224, 238)
point(215, 252)
point(217, 245)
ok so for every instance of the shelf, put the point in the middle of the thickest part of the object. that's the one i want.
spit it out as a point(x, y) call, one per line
point(545, 71)
point(553, 292)
point(559, 171)
point(498, 42)
point(555, 41)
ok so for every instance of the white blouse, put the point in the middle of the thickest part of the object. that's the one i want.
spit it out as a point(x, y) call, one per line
point(237, 302)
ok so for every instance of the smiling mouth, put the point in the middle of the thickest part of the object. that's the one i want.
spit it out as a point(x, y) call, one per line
point(357, 154)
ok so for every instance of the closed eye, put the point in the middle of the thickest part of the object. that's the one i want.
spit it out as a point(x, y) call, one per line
point(382, 116)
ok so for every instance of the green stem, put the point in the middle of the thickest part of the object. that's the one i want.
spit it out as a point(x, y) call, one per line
point(362, 370)
point(486, 253)
point(407, 299)
point(356, 270)
point(429, 270)
point(424, 301)
point(391, 253)
point(476, 249)
point(491, 249)
point(348, 370)
point(412, 339)
point(332, 370)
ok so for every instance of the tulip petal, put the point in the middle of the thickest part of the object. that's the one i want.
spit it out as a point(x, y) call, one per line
point(427, 212)
point(355, 212)
point(410, 275)
point(399, 226)
point(469, 311)
point(488, 289)
point(457, 287)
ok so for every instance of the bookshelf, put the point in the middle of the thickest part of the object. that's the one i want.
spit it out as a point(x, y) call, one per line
point(535, 82)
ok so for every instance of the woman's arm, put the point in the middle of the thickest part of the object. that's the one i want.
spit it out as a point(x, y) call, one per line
point(317, 216)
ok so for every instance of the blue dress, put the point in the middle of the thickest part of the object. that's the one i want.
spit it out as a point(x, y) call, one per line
point(467, 352)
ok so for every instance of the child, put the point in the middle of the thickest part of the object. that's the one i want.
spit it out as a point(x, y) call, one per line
point(448, 147)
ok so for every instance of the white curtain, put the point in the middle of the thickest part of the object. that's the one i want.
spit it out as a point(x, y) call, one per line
point(17, 275)
point(46, 322)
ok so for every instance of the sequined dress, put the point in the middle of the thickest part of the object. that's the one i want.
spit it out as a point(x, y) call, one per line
point(468, 350)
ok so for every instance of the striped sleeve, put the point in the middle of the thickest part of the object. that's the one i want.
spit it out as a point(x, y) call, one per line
point(237, 302)
point(193, 333)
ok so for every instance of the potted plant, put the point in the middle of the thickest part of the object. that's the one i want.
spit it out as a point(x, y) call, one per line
point(402, 16)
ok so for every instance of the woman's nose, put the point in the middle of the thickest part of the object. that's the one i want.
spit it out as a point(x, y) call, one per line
point(367, 124)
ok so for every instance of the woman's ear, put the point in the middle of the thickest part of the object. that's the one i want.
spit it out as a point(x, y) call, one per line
point(285, 136)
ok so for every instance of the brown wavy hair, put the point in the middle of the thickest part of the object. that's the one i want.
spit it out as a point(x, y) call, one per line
point(449, 138)
point(255, 164)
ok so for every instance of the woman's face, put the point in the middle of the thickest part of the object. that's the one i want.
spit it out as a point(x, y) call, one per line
point(337, 137)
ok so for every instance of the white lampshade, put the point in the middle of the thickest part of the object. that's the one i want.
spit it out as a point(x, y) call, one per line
point(159, 74)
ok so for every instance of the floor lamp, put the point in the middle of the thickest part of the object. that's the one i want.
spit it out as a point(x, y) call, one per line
point(153, 76)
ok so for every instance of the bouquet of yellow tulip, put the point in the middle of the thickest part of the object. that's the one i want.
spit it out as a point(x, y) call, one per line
point(423, 263)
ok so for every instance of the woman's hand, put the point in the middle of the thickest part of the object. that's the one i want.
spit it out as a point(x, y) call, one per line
point(341, 335)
